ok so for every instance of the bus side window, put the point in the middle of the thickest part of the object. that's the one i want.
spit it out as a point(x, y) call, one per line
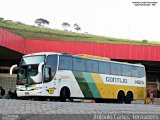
point(52, 62)
point(92, 66)
point(115, 69)
point(104, 67)
point(65, 63)
point(141, 72)
point(134, 71)
point(126, 70)
point(79, 64)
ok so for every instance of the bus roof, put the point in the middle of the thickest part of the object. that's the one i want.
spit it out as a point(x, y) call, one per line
point(85, 56)
point(92, 57)
point(42, 53)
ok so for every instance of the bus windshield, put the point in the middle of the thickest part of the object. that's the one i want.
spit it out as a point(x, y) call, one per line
point(27, 75)
point(28, 70)
point(32, 60)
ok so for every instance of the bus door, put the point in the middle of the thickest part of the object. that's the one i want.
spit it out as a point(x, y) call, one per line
point(50, 83)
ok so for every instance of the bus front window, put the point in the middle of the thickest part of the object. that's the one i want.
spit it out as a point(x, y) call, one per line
point(31, 60)
point(28, 70)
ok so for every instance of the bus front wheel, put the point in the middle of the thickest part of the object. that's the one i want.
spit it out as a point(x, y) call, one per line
point(65, 94)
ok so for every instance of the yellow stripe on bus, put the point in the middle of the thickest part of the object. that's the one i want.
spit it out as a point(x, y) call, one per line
point(100, 85)
point(111, 91)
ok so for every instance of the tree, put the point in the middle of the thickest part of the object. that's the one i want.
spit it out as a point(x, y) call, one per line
point(77, 27)
point(41, 22)
point(65, 25)
point(145, 41)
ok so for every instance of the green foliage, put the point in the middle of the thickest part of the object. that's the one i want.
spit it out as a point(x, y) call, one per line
point(41, 22)
point(65, 25)
point(33, 32)
point(76, 27)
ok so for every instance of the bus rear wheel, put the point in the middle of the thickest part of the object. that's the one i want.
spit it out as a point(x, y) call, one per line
point(64, 95)
point(120, 97)
point(128, 98)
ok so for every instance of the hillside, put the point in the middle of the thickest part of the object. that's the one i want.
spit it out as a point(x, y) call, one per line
point(33, 32)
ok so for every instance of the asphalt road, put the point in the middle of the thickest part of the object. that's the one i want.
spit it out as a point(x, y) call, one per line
point(48, 108)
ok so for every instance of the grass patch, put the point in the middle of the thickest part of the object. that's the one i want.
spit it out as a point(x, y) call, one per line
point(33, 32)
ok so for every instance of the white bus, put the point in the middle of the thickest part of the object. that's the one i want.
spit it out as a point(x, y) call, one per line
point(64, 76)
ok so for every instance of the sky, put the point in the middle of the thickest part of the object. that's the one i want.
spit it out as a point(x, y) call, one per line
point(111, 18)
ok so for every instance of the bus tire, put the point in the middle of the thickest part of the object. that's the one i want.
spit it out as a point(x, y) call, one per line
point(128, 98)
point(120, 97)
point(64, 94)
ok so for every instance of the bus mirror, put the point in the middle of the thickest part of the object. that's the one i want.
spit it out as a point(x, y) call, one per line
point(40, 67)
point(11, 69)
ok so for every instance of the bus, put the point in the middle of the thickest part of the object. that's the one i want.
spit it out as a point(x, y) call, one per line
point(63, 76)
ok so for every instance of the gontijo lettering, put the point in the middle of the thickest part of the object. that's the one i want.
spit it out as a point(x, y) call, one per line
point(116, 80)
